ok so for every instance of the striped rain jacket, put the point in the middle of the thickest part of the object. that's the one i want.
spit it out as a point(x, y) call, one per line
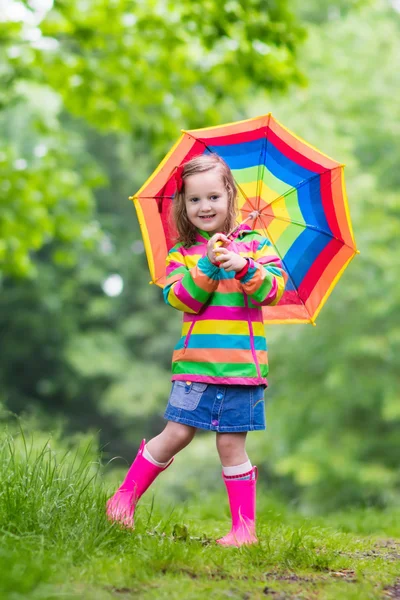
point(223, 338)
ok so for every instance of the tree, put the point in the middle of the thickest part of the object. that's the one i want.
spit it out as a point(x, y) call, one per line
point(145, 69)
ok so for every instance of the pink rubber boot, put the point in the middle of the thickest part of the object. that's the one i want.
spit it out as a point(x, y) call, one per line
point(141, 474)
point(242, 502)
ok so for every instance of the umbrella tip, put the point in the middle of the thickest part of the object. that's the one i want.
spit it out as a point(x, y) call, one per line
point(254, 214)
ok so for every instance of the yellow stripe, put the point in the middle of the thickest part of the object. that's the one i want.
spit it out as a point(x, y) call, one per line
point(287, 321)
point(225, 124)
point(249, 190)
point(277, 228)
point(281, 287)
point(346, 207)
point(224, 328)
point(146, 239)
point(329, 291)
point(189, 261)
point(268, 194)
point(264, 252)
point(160, 166)
point(176, 257)
point(176, 303)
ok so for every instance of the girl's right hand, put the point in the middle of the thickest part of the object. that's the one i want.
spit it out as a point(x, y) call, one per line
point(211, 252)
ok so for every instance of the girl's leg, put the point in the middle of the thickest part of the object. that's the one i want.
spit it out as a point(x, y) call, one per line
point(148, 464)
point(231, 448)
point(170, 441)
point(240, 480)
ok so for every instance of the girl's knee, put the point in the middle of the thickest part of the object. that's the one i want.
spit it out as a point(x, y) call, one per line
point(231, 441)
point(230, 445)
point(181, 434)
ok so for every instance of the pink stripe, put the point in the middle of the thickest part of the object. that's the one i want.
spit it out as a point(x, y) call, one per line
point(253, 350)
point(172, 266)
point(200, 250)
point(228, 313)
point(265, 260)
point(183, 295)
point(221, 380)
point(245, 246)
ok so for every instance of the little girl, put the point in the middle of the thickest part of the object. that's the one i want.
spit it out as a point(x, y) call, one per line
point(220, 364)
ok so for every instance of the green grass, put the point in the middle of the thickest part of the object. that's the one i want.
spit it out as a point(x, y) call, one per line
point(55, 541)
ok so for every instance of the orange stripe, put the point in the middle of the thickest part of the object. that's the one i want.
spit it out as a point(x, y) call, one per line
point(342, 215)
point(172, 278)
point(203, 281)
point(303, 147)
point(285, 313)
point(151, 226)
point(227, 286)
point(231, 128)
point(255, 282)
point(171, 160)
point(326, 283)
point(217, 355)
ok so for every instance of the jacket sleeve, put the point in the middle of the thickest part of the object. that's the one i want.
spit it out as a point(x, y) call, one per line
point(189, 289)
point(264, 282)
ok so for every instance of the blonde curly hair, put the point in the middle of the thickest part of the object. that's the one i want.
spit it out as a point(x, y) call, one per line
point(200, 164)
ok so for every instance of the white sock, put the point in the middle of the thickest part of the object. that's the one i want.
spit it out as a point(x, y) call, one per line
point(149, 457)
point(238, 470)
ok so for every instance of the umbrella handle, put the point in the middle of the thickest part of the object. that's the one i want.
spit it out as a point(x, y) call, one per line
point(252, 215)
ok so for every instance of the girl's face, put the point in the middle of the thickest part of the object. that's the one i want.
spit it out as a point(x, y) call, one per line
point(207, 201)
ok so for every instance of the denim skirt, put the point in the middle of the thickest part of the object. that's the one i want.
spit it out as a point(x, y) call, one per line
point(222, 408)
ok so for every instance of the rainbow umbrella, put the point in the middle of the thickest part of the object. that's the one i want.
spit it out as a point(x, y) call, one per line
point(299, 195)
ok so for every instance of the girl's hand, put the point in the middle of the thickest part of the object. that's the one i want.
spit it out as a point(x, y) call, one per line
point(210, 246)
point(231, 261)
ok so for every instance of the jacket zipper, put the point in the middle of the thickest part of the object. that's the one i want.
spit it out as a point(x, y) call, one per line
point(253, 349)
point(189, 333)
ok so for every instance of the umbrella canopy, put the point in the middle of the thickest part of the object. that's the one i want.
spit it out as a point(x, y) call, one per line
point(298, 191)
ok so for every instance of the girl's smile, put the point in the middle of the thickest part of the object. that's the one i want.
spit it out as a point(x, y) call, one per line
point(206, 200)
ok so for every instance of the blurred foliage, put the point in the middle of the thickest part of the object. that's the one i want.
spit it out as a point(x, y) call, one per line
point(334, 418)
point(108, 65)
point(87, 111)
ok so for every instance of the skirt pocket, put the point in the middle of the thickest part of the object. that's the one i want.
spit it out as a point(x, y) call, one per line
point(186, 395)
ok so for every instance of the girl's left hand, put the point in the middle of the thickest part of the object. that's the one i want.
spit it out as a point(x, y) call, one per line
point(230, 261)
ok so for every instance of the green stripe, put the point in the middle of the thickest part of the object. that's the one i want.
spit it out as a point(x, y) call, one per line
point(263, 290)
point(248, 175)
point(178, 270)
point(227, 299)
point(275, 184)
point(194, 290)
point(287, 238)
point(215, 369)
point(293, 207)
point(264, 369)
point(180, 245)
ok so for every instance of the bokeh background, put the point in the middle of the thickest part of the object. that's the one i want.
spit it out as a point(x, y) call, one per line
point(93, 93)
